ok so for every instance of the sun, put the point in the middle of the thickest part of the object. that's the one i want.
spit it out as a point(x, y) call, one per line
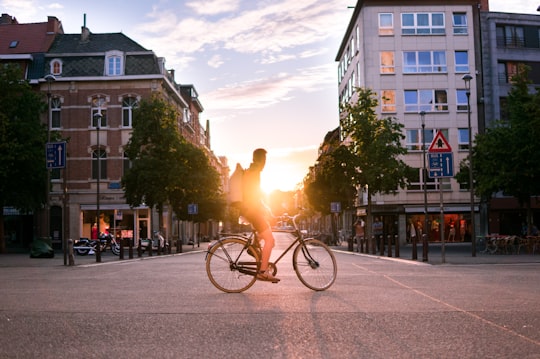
point(279, 177)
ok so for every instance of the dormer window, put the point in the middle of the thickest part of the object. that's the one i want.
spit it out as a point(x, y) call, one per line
point(114, 63)
point(56, 67)
point(13, 44)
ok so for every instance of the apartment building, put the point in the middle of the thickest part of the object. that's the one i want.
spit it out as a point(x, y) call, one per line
point(507, 41)
point(413, 55)
point(94, 82)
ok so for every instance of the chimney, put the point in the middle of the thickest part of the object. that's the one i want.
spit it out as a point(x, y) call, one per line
point(85, 32)
point(54, 26)
point(7, 19)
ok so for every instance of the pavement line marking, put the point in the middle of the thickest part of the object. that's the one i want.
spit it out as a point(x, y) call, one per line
point(475, 316)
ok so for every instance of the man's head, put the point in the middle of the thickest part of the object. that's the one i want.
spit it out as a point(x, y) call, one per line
point(259, 156)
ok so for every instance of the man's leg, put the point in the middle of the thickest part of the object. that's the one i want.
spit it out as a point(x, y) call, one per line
point(268, 238)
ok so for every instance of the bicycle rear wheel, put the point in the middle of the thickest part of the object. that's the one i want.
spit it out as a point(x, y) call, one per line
point(232, 265)
point(315, 264)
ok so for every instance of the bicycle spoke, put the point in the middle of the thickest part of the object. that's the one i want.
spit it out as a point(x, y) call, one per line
point(314, 264)
point(229, 266)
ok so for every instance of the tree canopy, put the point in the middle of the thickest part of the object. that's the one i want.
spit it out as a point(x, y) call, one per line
point(166, 169)
point(23, 173)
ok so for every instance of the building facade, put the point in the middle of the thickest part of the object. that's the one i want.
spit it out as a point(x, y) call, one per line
point(93, 83)
point(507, 41)
point(414, 55)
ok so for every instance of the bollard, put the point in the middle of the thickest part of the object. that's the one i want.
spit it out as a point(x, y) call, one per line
point(381, 244)
point(351, 244)
point(159, 248)
point(389, 237)
point(424, 248)
point(130, 251)
point(71, 258)
point(396, 240)
point(373, 245)
point(149, 247)
point(121, 255)
point(169, 250)
point(178, 245)
point(139, 249)
point(414, 249)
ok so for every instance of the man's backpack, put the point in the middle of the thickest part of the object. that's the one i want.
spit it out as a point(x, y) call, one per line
point(236, 191)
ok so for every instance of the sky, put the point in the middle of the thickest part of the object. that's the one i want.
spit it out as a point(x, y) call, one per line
point(264, 70)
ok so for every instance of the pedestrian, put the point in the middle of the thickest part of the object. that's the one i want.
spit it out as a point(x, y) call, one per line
point(359, 234)
point(257, 213)
point(412, 232)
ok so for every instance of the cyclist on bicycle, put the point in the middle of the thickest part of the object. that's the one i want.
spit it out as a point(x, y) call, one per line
point(257, 213)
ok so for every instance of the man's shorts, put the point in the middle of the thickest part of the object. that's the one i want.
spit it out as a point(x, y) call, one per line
point(257, 220)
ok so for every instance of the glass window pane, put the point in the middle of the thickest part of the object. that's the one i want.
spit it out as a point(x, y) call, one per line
point(437, 19)
point(407, 19)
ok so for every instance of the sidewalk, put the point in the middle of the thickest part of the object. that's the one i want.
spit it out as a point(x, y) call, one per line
point(24, 260)
point(454, 253)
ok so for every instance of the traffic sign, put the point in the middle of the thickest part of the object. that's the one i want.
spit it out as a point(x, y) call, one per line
point(441, 164)
point(56, 154)
point(439, 144)
point(193, 208)
point(335, 207)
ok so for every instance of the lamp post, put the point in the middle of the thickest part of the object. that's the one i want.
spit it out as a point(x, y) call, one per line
point(467, 79)
point(49, 78)
point(98, 116)
point(424, 185)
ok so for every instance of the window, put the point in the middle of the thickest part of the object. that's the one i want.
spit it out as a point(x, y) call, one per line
point(461, 100)
point(56, 67)
point(114, 63)
point(414, 141)
point(510, 36)
point(424, 61)
point(459, 21)
point(422, 24)
point(388, 101)
point(102, 155)
point(507, 70)
point(387, 62)
point(461, 59)
point(417, 182)
point(187, 115)
point(463, 138)
point(13, 44)
point(128, 105)
point(56, 107)
point(426, 100)
point(386, 24)
point(99, 106)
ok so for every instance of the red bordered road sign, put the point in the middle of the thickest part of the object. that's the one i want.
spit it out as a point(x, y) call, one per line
point(439, 144)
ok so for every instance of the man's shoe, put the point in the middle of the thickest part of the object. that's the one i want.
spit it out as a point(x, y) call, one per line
point(267, 277)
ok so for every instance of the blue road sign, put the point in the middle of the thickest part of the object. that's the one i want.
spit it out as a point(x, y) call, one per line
point(441, 164)
point(193, 208)
point(56, 154)
point(335, 207)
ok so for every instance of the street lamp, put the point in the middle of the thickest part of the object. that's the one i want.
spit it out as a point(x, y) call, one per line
point(424, 182)
point(97, 117)
point(467, 79)
point(49, 78)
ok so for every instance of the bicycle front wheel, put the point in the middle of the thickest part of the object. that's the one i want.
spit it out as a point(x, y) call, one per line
point(315, 264)
point(232, 265)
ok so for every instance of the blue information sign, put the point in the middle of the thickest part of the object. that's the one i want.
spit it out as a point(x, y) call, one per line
point(441, 164)
point(56, 154)
point(193, 208)
point(335, 207)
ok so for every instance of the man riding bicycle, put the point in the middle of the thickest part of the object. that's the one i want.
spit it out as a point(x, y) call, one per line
point(256, 212)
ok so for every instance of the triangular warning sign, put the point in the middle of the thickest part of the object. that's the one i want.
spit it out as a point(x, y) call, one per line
point(439, 144)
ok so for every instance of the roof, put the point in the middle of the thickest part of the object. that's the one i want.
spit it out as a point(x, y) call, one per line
point(74, 44)
point(30, 38)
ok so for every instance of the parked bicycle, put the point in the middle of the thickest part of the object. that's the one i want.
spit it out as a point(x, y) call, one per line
point(232, 262)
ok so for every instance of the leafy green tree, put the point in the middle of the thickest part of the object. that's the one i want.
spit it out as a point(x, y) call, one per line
point(506, 156)
point(23, 172)
point(153, 147)
point(376, 146)
point(166, 169)
point(196, 181)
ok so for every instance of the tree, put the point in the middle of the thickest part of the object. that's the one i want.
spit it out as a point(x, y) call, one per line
point(23, 172)
point(506, 156)
point(376, 146)
point(166, 169)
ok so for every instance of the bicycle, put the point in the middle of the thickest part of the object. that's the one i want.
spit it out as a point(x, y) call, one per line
point(232, 262)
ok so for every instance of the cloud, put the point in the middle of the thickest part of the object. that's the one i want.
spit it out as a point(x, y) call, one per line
point(266, 30)
point(263, 92)
point(215, 61)
point(213, 7)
